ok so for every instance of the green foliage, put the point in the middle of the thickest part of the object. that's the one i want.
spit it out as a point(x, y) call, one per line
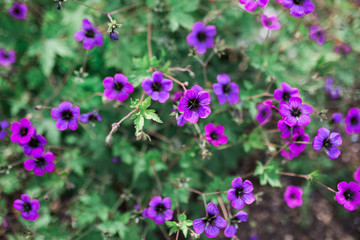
point(183, 225)
point(268, 174)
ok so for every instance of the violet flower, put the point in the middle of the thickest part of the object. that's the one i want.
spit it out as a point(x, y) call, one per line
point(318, 34)
point(226, 90)
point(352, 121)
point(197, 88)
point(215, 135)
point(89, 35)
point(299, 136)
point(22, 131)
point(232, 227)
point(36, 142)
point(160, 210)
point(90, 117)
point(201, 37)
point(293, 196)
point(240, 193)
point(348, 195)
point(19, 11)
point(27, 207)
point(3, 125)
point(328, 141)
point(40, 163)
point(157, 87)
point(299, 8)
point(357, 175)
point(264, 113)
point(270, 22)
point(286, 129)
point(284, 93)
point(7, 58)
point(66, 116)
point(342, 48)
point(295, 112)
point(251, 5)
point(337, 117)
point(194, 105)
point(288, 155)
point(117, 87)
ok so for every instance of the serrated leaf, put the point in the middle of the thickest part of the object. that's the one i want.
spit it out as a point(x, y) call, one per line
point(146, 103)
point(139, 123)
point(150, 114)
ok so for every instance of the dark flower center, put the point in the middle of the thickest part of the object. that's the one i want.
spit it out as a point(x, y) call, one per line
point(156, 87)
point(93, 117)
point(89, 33)
point(40, 162)
point(286, 96)
point(34, 142)
point(160, 209)
point(26, 207)
point(299, 138)
point(17, 11)
point(201, 36)
point(118, 86)
point(5, 55)
point(263, 113)
point(24, 131)
point(295, 112)
point(67, 115)
point(239, 192)
point(354, 120)
point(268, 22)
point(327, 143)
point(298, 2)
point(226, 88)
point(292, 196)
point(349, 195)
point(319, 34)
point(194, 104)
point(214, 135)
point(210, 219)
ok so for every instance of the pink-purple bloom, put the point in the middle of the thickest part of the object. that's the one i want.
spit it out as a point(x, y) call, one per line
point(289, 155)
point(284, 93)
point(22, 131)
point(194, 105)
point(201, 37)
point(159, 210)
point(318, 34)
point(89, 35)
point(66, 116)
point(329, 141)
point(286, 129)
point(90, 117)
point(357, 175)
point(264, 113)
point(299, 136)
point(293, 196)
point(19, 11)
point(40, 163)
point(215, 135)
point(27, 207)
point(352, 121)
point(332, 89)
point(295, 112)
point(240, 193)
point(7, 58)
point(117, 87)
point(348, 195)
point(211, 224)
point(251, 5)
point(342, 48)
point(233, 226)
point(157, 87)
point(270, 22)
point(226, 90)
point(299, 8)
point(3, 126)
point(337, 117)
point(36, 142)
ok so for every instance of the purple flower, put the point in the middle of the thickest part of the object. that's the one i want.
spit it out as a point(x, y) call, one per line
point(299, 8)
point(7, 58)
point(352, 121)
point(288, 154)
point(264, 113)
point(299, 136)
point(286, 129)
point(240, 193)
point(348, 195)
point(293, 196)
point(117, 87)
point(36, 142)
point(22, 131)
point(201, 37)
point(357, 175)
point(177, 95)
point(318, 34)
point(158, 87)
point(337, 117)
point(90, 117)
point(18, 11)
point(27, 207)
point(144, 213)
point(180, 120)
point(342, 48)
point(226, 90)
point(284, 93)
point(160, 210)
point(194, 105)
point(3, 125)
point(332, 89)
point(89, 35)
point(251, 5)
point(113, 35)
point(215, 135)
point(197, 88)
point(295, 112)
point(41, 162)
point(211, 224)
point(328, 141)
point(232, 227)
point(270, 22)
point(115, 159)
point(66, 116)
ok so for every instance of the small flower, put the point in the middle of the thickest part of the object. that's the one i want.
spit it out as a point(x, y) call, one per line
point(264, 113)
point(299, 136)
point(201, 37)
point(357, 175)
point(3, 125)
point(288, 154)
point(180, 120)
point(284, 93)
point(299, 8)
point(177, 95)
point(160, 210)
point(41, 163)
point(232, 227)
point(117, 87)
point(211, 224)
point(197, 88)
point(18, 11)
point(7, 58)
point(59, 4)
point(352, 121)
point(27, 207)
point(115, 159)
point(215, 135)
point(158, 87)
point(337, 117)
point(194, 105)
point(226, 90)
point(328, 141)
point(286, 129)
point(144, 213)
point(270, 22)
point(348, 195)
point(332, 89)
point(89, 35)
point(318, 34)
point(113, 30)
point(90, 117)
point(251, 5)
point(36, 142)
point(295, 112)
point(66, 116)
point(240, 193)
point(293, 196)
point(343, 49)
point(22, 131)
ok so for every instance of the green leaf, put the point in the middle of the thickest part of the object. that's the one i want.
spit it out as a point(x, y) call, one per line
point(146, 103)
point(150, 114)
point(268, 174)
point(139, 123)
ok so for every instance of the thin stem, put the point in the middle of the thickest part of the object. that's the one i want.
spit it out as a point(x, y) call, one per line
point(83, 66)
point(275, 154)
point(175, 80)
point(149, 34)
point(124, 8)
point(100, 11)
point(265, 94)
point(177, 234)
point(222, 206)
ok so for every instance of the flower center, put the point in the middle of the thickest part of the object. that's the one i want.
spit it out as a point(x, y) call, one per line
point(292, 196)
point(327, 143)
point(268, 22)
point(193, 104)
point(201, 36)
point(34, 142)
point(210, 219)
point(354, 120)
point(40, 162)
point(263, 113)
point(298, 2)
point(17, 11)
point(239, 192)
point(226, 88)
point(299, 138)
point(118, 86)
point(90, 33)
point(24, 131)
point(286, 96)
point(93, 117)
point(67, 115)
point(160, 209)
point(349, 195)
point(296, 112)
point(156, 87)
point(5, 55)
point(26, 207)
point(214, 135)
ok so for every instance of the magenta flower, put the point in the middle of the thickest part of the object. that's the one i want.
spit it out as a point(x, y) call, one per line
point(286, 129)
point(288, 155)
point(18, 11)
point(299, 8)
point(27, 207)
point(158, 87)
point(348, 195)
point(240, 193)
point(36, 142)
point(144, 213)
point(232, 227)
point(352, 121)
point(194, 105)
point(40, 163)
point(299, 136)
point(180, 120)
point(293, 196)
point(211, 224)
point(7, 58)
point(357, 175)
point(295, 112)
point(177, 95)
point(318, 34)
point(90, 117)
point(201, 37)
point(284, 93)
point(197, 88)
point(66, 116)
point(270, 22)
point(89, 35)
point(337, 117)
point(342, 48)
point(215, 135)
point(160, 210)
point(117, 87)
point(22, 131)
point(226, 90)
point(3, 126)
point(251, 5)
point(264, 113)
point(328, 141)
